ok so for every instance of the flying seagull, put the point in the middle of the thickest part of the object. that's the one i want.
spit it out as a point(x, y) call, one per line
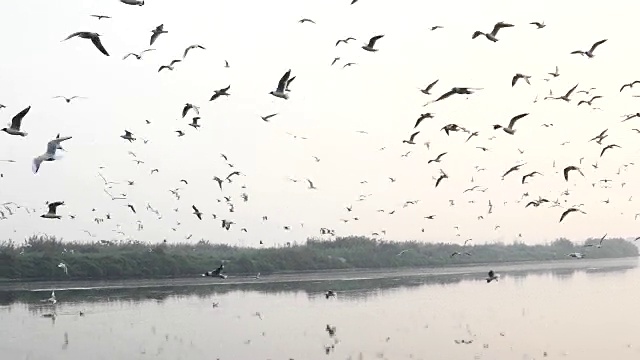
point(411, 138)
point(427, 90)
point(94, 37)
point(49, 155)
point(346, 41)
point(372, 43)
point(128, 136)
point(492, 36)
point(188, 107)
point(68, 100)
point(492, 276)
point(456, 90)
point(608, 147)
point(14, 128)
point(100, 17)
point(509, 129)
point(589, 53)
point(196, 212)
point(588, 101)
point(520, 76)
point(568, 211)
point(437, 159)
point(629, 85)
point(531, 174)
point(51, 214)
point(539, 25)
point(133, 2)
point(196, 46)
point(282, 85)
point(302, 21)
point(266, 118)
point(156, 32)
point(194, 122)
point(564, 97)
point(137, 56)
point(63, 266)
point(221, 92)
point(217, 272)
point(569, 168)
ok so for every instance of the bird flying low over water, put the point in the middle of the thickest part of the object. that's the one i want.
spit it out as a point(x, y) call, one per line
point(492, 35)
point(16, 122)
point(216, 273)
point(49, 155)
point(492, 276)
point(94, 37)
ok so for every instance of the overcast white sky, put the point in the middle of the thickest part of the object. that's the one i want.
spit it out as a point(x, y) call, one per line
point(328, 104)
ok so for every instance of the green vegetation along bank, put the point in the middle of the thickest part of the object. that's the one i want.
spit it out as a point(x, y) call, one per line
point(39, 257)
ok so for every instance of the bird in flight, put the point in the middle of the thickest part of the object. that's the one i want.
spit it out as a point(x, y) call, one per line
point(94, 37)
point(156, 32)
point(538, 25)
point(282, 85)
point(492, 36)
point(100, 17)
point(302, 21)
point(427, 90)
point(520, 76)
point(221, 92)
point(68, 100)
point(137, 56)
point(51, 214)
point(568, 211)
point(372, 43)
point(346, 41)
point(49, 155)
point(196, 46)
point(564, 97)
point(16, 122)
point(266, 118)
point(437, 159)
point(196, 212)
point(509, 129)
point(589, 53)
point(570, 168)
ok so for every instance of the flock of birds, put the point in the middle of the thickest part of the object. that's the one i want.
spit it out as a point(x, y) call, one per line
point(282, 92)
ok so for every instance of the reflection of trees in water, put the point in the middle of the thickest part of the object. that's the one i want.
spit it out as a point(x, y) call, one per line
point(349, 289)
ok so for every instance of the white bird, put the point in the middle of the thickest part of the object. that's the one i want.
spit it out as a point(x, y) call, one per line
point(133, 2)
point(63, 266)
point(509, 129)
point(49, 155)
point(589, 53)
point(137, 56)
point(282, 85)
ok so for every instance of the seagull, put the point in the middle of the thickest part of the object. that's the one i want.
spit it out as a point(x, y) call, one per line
point(266, 118)
point(302, 21)
point(520, 76)
point(311, 186)
point(443, 175)
point(570, 210)
point(196, 46)
point(14, 128)
point(556, 73)
point(437, 159)
point(94, 37)
point(372, 43)
point(194, 122)
point(133, 209)
point(411, 138)
point(524, 178)
point(133, 2)
point(589, 102)
point(330, 293)
point(196, 212)
point(427, 90)
point(221, 92)
point(217, 272)
point(346, 41)
point(538, 24)
point(436, 27)
point(188, 107)
point(169, 67)
point(49, 155)
point(348, 64)
point(608, 147)
point(422, 117)
point(128, 136)
point(63, 266)
point(156, 32)
point(589, 53)
point(180, 133)
point(576, 255)
point(282, 85)
point(51, 214)
point(226, 64)
point(629, 85)
point(100, 17)
point(137, 56)
point(492, 36)
point(456, 90)
point(600, 137)
point(565, 97)
point(335, 60)
point(68, 100)
point(492, 276)
point(512, 169)
point(509, 129)
point(569, 168)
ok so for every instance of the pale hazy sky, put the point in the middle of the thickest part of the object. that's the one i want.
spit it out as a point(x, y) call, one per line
point(328, 104)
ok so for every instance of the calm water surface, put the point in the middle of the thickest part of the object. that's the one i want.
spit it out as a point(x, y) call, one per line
point(583, 309)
